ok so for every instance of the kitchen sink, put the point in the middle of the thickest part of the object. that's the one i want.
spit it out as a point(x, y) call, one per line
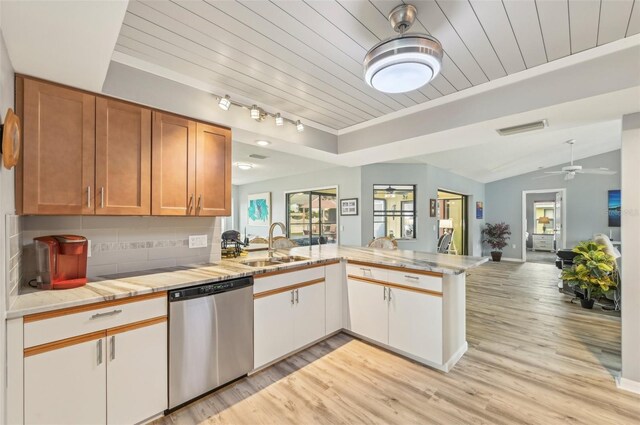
point(264, 262)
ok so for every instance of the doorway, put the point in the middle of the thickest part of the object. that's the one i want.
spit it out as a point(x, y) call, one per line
point(543, 224)
point(312, 217)
point(452, 220)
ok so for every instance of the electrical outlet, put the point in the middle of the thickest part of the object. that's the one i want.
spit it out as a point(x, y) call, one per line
point(513, 246)
point(198, 241)
point(88, 248)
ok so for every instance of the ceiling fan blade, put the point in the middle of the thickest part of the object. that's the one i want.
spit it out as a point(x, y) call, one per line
point(546, 176)
point(554, 172)
point(600, 171)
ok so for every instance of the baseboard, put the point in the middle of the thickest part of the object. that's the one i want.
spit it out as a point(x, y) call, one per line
point(513, 260)
point(628, 385)
point(456, 356)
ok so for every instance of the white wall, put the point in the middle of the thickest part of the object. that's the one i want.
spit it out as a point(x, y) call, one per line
point(7, 206)
point(347, 180)
point(630, 250)
point(586, 200)
point(428, 180)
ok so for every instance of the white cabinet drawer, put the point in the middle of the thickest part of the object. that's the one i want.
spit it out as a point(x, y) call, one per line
point(57, 325)
point(286, 278)
point(361, 270)
point(416, 280)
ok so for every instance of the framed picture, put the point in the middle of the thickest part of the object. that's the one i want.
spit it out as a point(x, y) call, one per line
point(614, 207)
point(259, 209)
point(432, 207)
point(479, 210)
point(349, 206)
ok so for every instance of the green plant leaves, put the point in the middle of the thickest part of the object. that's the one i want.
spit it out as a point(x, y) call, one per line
point(593, 269)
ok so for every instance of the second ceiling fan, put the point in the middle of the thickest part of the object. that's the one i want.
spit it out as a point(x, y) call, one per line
point(571, 170)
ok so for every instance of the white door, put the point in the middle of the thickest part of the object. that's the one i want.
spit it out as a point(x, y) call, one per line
point(309, 314)
point(272, 327)
point(67, 385)
point(136, 374)
point(558, 221)
point(368, 310)
point(334, 282)
point(415, 324)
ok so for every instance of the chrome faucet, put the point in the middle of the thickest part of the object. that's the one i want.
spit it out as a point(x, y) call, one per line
point(273, 226)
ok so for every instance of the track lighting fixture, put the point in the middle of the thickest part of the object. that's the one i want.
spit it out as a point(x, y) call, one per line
point(256, 112)
point(225, 102)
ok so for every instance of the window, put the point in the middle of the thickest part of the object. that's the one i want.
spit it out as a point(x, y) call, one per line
point(312, 217)
point(394, 212)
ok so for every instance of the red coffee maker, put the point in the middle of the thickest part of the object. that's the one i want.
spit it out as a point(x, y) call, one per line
point(61, 261)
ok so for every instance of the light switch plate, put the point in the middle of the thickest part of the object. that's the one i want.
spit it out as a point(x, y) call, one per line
point(198, 241)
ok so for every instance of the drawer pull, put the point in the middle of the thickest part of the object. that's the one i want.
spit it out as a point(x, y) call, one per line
point(411, 277)
point(108, 313)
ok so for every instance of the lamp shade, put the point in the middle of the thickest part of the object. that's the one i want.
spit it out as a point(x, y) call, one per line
point(446, 224)
point(544, 220)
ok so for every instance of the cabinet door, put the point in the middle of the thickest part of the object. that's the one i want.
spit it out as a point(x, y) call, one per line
point(58, 151)
point(368, 310)
point(213, 170)
point(415, 324)
point(309, 314)
point(136, 374)
point(334, 282)
point(123, 158)
point(66, 385)
point(173, 165)
point(272, 327)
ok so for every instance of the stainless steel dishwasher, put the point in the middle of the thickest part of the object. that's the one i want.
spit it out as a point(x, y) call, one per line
point(210, 337)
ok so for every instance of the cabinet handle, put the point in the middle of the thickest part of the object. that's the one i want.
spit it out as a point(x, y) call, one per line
point(199, 207)
point(190, 204)
point(108, 313)
point(102, 197)
point(408, 276)
point(113, 347)
point(384, 292)
point(297, 297)
point(365, 270)
point(99, 346)
point(88, 196)
point(389, 294)
point(292, 299)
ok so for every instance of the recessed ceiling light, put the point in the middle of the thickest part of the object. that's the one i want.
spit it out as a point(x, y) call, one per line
point(263, 142)
point(406, 62)
point(225, 102)
point(244, 165)
point(279, 119)
point(299, 126)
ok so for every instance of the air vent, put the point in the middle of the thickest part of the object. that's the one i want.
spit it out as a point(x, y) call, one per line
point(523, 128)
point(256, 156)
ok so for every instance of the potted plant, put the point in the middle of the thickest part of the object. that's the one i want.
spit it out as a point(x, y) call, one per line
point(496, 235)
point(593, 271)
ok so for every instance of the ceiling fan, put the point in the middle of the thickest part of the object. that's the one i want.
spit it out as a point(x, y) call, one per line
point(571, 170)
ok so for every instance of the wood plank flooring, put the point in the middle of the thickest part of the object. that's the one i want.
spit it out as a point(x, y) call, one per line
point(533, 359)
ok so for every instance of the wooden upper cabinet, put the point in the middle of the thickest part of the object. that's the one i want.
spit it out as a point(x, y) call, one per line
point(123, 158)
point(57, 171)
point(173, 165)
point(213, 170)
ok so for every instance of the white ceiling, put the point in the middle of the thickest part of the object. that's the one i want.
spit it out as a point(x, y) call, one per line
point(277, 164)
point(305, 57)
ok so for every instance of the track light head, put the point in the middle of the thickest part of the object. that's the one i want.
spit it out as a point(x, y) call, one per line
point(224, 102)
point(299, 126)
point(279, 120)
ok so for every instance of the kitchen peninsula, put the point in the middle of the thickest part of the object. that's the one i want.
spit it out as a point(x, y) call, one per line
point(411, 303)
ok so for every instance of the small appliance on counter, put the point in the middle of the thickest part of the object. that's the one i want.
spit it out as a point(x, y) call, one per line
point(61, 261)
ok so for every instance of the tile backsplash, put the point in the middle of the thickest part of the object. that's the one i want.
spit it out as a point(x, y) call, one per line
point(13, 266)
point(127, 244)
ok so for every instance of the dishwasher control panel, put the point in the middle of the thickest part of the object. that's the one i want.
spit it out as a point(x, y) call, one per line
point(209, 289)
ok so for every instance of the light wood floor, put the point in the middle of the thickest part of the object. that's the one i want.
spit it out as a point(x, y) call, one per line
point(533, 358)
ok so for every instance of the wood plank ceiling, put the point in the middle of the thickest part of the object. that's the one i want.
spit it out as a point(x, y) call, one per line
point(305, 57)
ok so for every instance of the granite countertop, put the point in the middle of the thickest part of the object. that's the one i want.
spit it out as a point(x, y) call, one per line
point(138, 283)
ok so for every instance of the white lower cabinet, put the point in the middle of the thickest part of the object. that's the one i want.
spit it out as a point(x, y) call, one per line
point(136, 374)
point(272, 327)
point(415, 324)
point(67, 385)
point(285, 321)
point(368, 310)
point(334, 298)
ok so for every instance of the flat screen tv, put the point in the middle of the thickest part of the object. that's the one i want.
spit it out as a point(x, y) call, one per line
point(614, 207)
